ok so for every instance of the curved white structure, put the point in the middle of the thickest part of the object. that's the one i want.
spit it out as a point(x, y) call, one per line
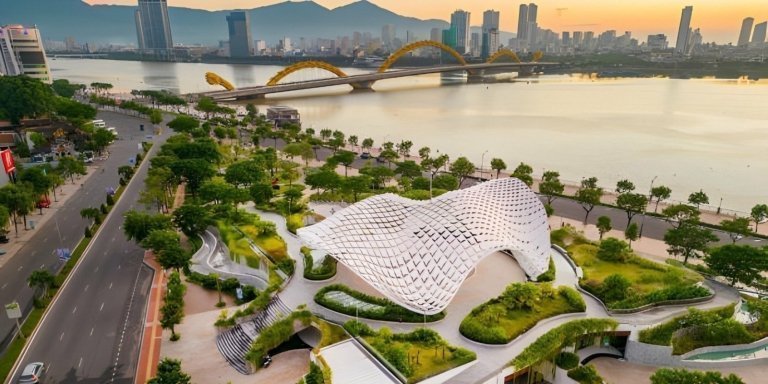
point(418, 253)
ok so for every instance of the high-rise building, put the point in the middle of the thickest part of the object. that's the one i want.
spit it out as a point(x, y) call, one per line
point(758, 37)
point(22, 53)
point(388, 34)
point(657, 42)
point(566, 38)
point(435, 34)
point(490, 20)
point(240, 40)
point(490, 43)
point(154, 28)
point(285, 44)
point(746, 31)
point(261, 47)
point(682, 47)
point(476, 44)
point(460, 23)
point(449, 39)
point(577, 38)
point(522, 23)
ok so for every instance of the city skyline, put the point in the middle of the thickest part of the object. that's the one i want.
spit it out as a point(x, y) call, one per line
point(719, 22)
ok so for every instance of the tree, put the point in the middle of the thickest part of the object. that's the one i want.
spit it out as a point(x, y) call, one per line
point(346, 158)
point(291, 195)
point(521, 296)
point(184, 124)
point(551, 186)
point(389, 155)
point(245, 173)
point(461, 168)
point(171, 314)
point(174, 257)
point(65, 89)
point(498, 165)
point(404, 148)
point(737, 228)
point(738, 263)
point(352, 140)
point(41, 279)
point(632, 233)
point(681, 214)
point(624, 186)
point(192, 219)
point(683, 376)
point(603, 225)
point(424, 153)
point(660, 193)
point(302, 149)
point(357, 185)
point(138, 225)
point(524, 173)
point(99, 87)
point(19, 201)
point(367, 144)
point(69, 167)
point(615, 287)
point(37, 179)
point(323, 178)
point(379, 175)
point(193, 171)
point(759, 213)
point(23, 96)
point(155, 117)
point(613, 250)
point(260, 193)
point(632, 204)
point(102, 138)
point(325, 134)
point(588, 195)
point(289, 172)
point(688, 239)
point(169, 372)
point(207, 105)
point(445, 181)
point(37, 139)
point(90, 213)
point(408, 168)
point(125, 172)
point(698, 198)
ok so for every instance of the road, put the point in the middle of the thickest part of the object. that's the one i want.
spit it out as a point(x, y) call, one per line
point(39, 251)
point(92, 331)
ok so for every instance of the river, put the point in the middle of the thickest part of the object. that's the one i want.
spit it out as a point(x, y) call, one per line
point(687, 134)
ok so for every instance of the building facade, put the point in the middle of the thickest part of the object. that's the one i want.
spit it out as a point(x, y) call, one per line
point(758, 37)
point(240, 40)
point(460, 23)
point(684, 31)
point(22, 53)
point(746, 31)
point(657, 42)
point(154, 28)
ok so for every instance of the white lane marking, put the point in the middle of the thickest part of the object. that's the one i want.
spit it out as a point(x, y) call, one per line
point(20, 268)
point(74, 310)
point(80, 363)
point(42, 266)
point(4, 285)
point(96, 270)
point(102, 307)
point(62, 336)
point(86, 287)
point(91, 332)
point(125, 325)
point(110, 285)
point(118, 267)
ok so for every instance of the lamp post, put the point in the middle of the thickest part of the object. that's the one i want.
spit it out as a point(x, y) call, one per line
point(482, 162)
point(645, 208)
point(719, 206)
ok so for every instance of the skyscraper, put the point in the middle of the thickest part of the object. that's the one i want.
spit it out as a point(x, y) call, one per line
point(155, 28)
point(22, 53)
point(240, 40)
point(460, 23)
point(746, 31)
point(681, 47)
point(490, 20)
point(522, 23)
point(758, 38)
point(388, 34)
point(435, 34)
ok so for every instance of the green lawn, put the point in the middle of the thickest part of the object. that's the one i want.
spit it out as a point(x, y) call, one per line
point(431, 361)
point(331, 334)
point(645, 275)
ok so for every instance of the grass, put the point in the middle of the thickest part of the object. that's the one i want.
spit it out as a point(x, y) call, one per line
point(645, 276)
point(272, 245)
point(431, 360)
point(331, 334)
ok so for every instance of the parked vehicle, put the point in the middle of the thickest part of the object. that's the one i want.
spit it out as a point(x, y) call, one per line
point(44, 202)
point(365, 155)
point(32, 373)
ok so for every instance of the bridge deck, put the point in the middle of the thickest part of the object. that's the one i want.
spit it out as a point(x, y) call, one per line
point(362, 80)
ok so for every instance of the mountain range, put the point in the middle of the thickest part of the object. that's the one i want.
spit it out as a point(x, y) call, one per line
point(115, 24)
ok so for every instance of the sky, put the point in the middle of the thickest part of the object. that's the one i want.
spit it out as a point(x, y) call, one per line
point(719, 20)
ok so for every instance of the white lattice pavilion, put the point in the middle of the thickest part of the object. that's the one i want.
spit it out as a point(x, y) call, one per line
point(418, 253)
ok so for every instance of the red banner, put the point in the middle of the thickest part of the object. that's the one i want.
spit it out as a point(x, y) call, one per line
point(8, 163)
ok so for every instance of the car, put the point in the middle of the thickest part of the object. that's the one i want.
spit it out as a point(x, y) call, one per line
point(32, 373)
point(44, 202)
point(381, 160)
point(365, 155)
point(4, 239)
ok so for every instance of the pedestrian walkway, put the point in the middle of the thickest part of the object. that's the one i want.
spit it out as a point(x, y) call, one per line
point(149, 355)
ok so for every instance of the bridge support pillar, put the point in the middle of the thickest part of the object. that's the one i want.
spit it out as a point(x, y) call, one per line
point(525, 72)
point(475, 76)
point(363, 85)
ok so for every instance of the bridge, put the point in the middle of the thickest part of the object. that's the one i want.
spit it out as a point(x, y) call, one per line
point(366, 81)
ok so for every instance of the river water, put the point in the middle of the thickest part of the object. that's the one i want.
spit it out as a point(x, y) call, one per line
point(688, 134)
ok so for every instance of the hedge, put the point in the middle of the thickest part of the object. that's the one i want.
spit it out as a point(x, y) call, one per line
point(390, 311)
point(326, 270)
point(567, 360)
point(274, 335)
point(662, 334)
point(585, 374)
point(228, 286)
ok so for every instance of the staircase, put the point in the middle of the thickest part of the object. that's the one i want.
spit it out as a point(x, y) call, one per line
point(234, 343)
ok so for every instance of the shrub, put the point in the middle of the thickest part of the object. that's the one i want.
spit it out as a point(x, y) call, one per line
point(613, 250)
point(294, 222)
point(326, 270)
point(662, 334)
point(614, 288)
point(228, 286)
point(462, 354)
point(357, 328)
point(475, 330)
point(573, 298)
point(315, 375)
point(549, 275)
point(675, 376)
point(104, 209)
point(567, 360)
point(585, 374)
point(666, 294)
point(88, 233)
point(110, 200)
point(726, 332)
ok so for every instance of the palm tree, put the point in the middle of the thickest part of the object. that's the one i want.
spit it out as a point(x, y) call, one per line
point(498, 165)
point(218, 288)
point(42, 279)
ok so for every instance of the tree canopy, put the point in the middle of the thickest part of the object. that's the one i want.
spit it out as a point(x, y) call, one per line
point(23, 96)
point(738, 263)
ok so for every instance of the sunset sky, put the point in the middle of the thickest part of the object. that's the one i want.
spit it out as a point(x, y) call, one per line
point(719, 20)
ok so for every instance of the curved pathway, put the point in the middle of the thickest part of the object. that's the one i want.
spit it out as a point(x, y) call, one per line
point(497, 270)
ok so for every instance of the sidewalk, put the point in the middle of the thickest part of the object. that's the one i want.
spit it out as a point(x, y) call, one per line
point(63, 193)
point(149, 354)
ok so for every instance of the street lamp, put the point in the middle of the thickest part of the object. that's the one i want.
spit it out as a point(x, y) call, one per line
point(645, 209)
point(482, 162)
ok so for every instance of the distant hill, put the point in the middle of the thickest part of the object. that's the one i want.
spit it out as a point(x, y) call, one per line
point(115, 24)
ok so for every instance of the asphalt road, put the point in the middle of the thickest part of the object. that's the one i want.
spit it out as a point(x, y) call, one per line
point(92, 332)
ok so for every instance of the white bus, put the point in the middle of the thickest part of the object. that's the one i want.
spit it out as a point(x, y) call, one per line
point(99, 123)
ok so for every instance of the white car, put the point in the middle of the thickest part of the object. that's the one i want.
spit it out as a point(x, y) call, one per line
point(32, 373)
